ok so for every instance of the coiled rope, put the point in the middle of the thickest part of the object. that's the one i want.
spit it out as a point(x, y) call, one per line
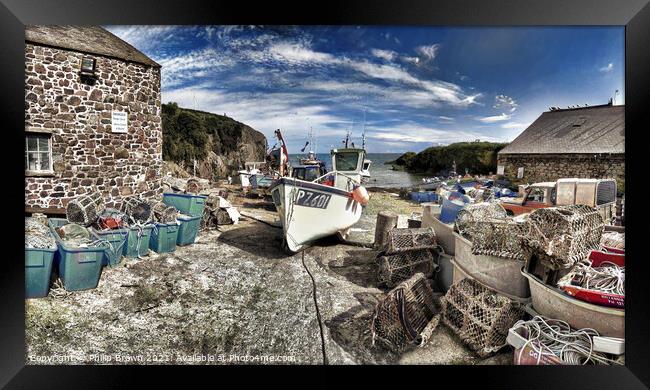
point(549, 337)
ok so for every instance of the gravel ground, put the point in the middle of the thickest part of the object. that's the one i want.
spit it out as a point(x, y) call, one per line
point(233, 297)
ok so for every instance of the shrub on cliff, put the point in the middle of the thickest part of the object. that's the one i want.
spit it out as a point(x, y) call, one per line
point(477, 157)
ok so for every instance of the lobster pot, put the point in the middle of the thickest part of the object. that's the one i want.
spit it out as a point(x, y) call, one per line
point(498, 238)
point(561, 236)
point(479, 316)
point(400, 240)
point(406, 317)
point(398, 267)
point(163, 213)
point(85, 209)
point(137, 209)
point(478, 212)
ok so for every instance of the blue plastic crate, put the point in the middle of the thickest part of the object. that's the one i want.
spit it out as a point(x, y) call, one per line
point(188, 229)
point(137, 244)
point(38, 270)
point(164, 237)
point(117, 238)
point(79, 268)
point(186, 203)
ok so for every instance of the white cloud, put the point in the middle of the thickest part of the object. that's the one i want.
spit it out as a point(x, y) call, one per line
point(505, 102)
point(514, 125)
point(387, 55)
point(412, 60)
point(189, 66)
point(446, 118)
point(414, 133)
point(607, 68)
point(300, 54)
point(428, 52)
point(496, 118)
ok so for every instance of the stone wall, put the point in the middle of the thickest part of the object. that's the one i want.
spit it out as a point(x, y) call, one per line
point(86, 155)
point(550, 167)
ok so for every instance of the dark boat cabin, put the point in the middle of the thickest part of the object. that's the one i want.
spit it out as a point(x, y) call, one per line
point(308, 172)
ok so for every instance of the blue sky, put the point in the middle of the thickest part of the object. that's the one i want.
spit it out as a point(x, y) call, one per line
point(418, 86)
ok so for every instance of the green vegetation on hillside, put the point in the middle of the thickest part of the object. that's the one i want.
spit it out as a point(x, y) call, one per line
point(190, 134)
point(477, 157)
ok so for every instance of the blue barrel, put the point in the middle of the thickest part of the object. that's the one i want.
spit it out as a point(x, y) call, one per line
point(450, 208)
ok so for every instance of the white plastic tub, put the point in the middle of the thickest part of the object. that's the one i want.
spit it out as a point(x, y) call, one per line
point(502, 275)
point(444, 232)
point(460, 274)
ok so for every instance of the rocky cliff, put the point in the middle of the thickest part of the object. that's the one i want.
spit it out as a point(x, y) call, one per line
point(219, 144)
point(475, 157)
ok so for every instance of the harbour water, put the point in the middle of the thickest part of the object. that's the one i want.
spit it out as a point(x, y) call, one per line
point(381, 174)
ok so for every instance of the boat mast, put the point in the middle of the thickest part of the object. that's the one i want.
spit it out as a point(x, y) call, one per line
point(363, 132)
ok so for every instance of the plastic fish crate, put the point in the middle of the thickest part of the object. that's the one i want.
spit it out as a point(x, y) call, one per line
point(117, 238)
point(186, 203)
point(164, 237)
point(137, 243)
point(38, 269)
point(187, 230)
point(79, 268)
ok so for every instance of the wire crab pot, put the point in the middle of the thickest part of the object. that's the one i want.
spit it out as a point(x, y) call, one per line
point(402, 240)
point(85, 210)
point(400, 266)
point(406, 317)
point(163, 213)
point(137, 209)
point(478, 212)
point(479, 316)
point(562, 236)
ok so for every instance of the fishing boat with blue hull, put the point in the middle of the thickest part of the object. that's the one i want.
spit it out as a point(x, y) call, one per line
point(330, 204)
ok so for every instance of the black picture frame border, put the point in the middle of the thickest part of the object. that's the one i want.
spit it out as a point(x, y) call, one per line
point(633, 14)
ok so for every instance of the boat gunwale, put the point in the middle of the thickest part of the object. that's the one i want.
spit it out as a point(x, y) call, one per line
point(309, 185)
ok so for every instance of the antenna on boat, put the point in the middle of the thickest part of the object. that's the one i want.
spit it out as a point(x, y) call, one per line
point(363, 131)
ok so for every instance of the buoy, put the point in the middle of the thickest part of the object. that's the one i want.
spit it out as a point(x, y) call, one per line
point(361, 195)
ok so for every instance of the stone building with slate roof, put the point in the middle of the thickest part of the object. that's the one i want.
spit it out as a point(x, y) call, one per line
point(585, 142)
point(92, 118)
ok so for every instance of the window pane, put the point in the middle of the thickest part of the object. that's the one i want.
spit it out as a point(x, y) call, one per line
point(32, 161)
point(45, 161)
point(31, 143)
point(43, 144)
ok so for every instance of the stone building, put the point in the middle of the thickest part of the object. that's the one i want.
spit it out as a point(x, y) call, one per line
point(92, 118)
point(585, 142)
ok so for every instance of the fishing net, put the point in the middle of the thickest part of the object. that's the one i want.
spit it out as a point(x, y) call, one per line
point(137, 209)
point(613, 240)
point(400, 266)
point(561, 236)
point(479, 316)
point(85, 209)
point(401, 240)
point(491, 231)
point(37, 234)
point(163, 213)
point(406, 317)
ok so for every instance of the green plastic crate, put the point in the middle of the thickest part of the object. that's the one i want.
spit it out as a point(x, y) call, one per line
point(137, 244)
point(186, 203)
point(188, 229)
point(38, 269)
point(79, 268)
point(117, 238)
point(163, 237)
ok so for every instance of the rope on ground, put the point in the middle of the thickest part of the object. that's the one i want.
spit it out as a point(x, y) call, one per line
point(320, 321)
point(260, 220)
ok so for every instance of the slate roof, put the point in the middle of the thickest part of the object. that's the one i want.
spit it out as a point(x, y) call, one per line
point(596, 129)
point(86, 39)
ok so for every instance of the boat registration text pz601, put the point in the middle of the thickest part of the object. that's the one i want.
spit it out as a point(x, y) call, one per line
point(313, 199)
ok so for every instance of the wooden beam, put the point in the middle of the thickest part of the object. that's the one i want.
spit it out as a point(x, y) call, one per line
point(48, 210)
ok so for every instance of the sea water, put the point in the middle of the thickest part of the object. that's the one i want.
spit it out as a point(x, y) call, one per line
point(381, 174)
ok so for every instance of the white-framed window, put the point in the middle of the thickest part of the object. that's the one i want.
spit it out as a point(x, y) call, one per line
point(38, 152)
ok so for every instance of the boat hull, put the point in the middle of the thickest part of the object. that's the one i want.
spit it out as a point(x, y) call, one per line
point(310, 211)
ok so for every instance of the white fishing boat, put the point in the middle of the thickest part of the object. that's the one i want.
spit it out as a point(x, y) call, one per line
point(328, 205)
point(250, 168)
